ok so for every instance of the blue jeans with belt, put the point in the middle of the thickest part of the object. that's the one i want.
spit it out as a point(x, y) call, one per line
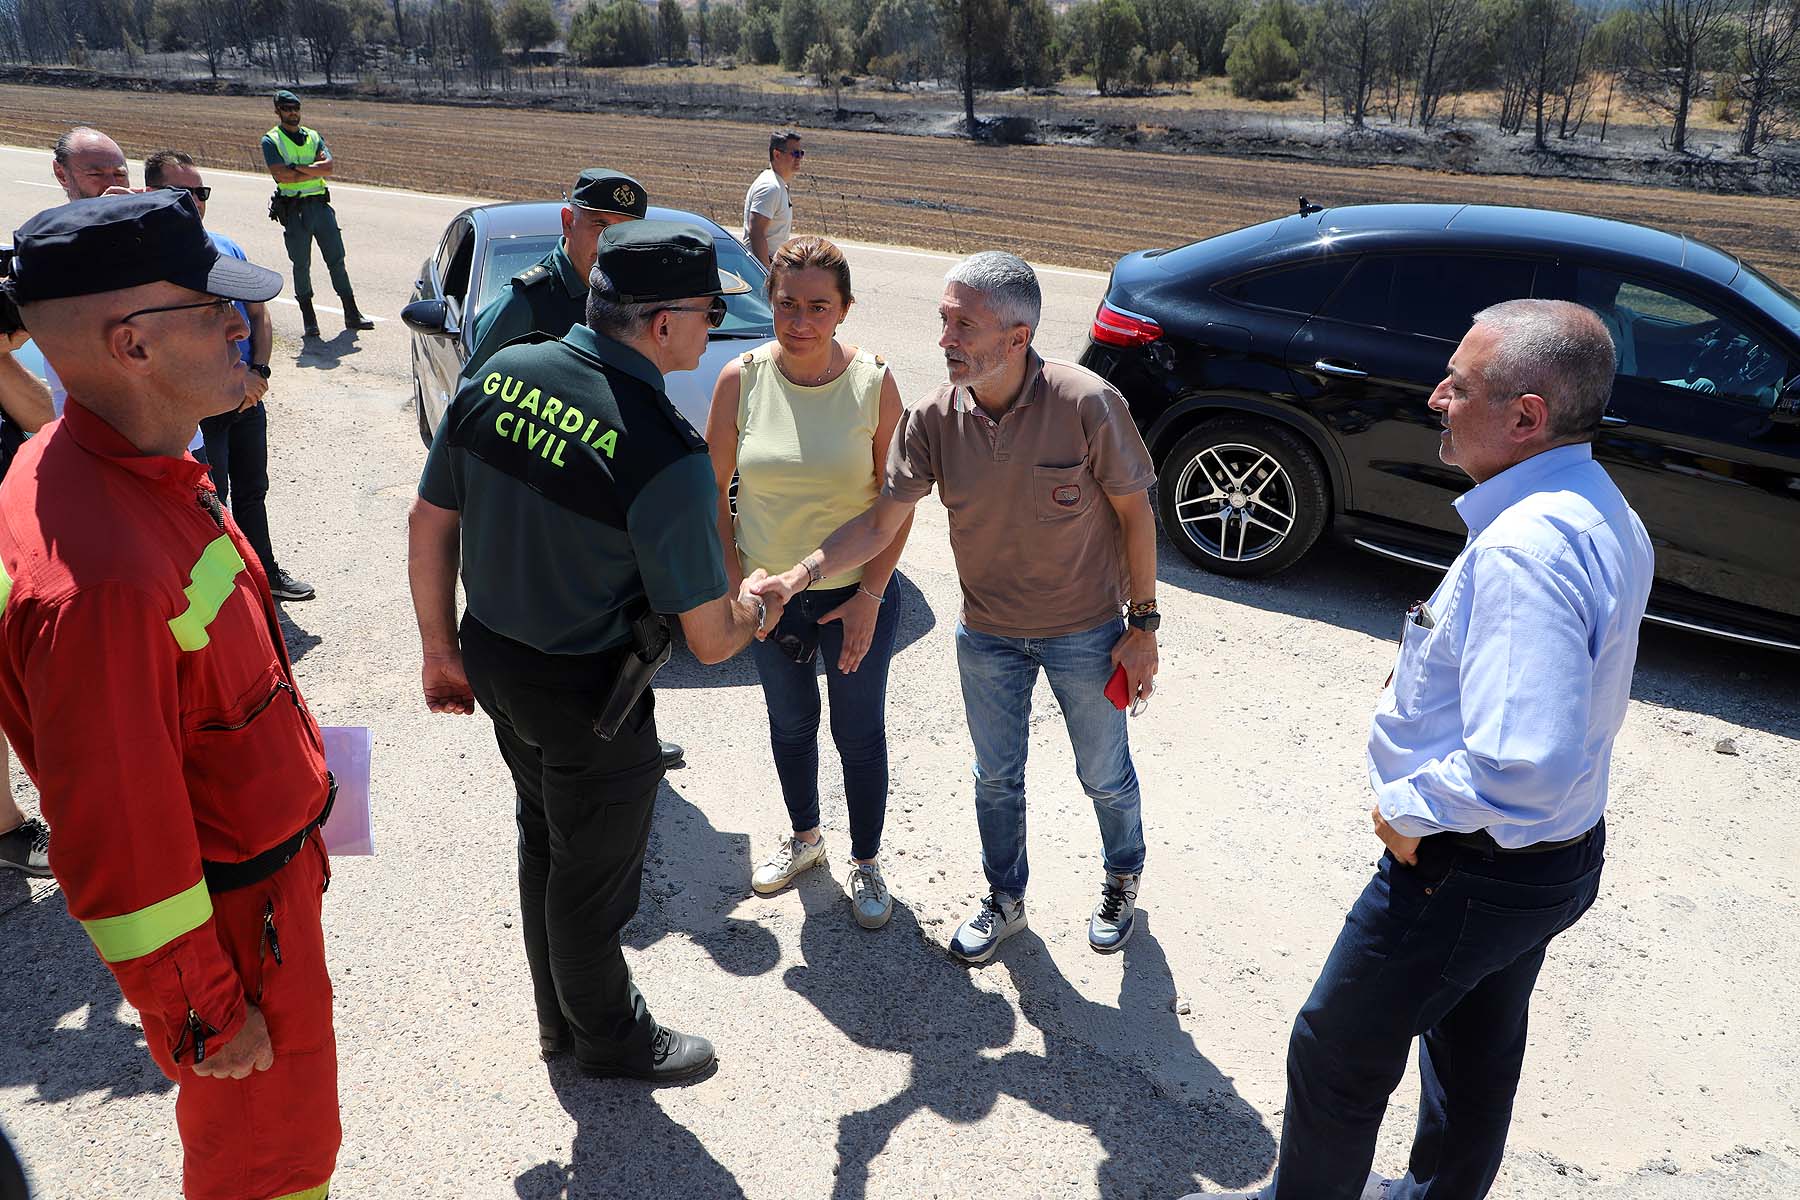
point(1446, 951)
point(858, 712)
point(998, 674)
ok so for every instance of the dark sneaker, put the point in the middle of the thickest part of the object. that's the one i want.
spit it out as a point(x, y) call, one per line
point(999, 917)
point(552, 1040)
point(673, 1056)
point(27, 849)
point(672, 755)
point(1116, 915)
point(285, 587)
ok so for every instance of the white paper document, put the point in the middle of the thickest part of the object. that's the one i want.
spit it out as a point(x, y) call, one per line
point(348, 749)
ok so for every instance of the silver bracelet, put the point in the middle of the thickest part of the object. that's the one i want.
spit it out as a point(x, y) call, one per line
point(871, 595)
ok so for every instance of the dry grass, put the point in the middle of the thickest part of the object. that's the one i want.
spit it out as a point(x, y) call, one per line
point(1054, 204)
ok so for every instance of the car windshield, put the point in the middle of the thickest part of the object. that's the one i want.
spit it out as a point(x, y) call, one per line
point(748, 313)
point(1775, 300)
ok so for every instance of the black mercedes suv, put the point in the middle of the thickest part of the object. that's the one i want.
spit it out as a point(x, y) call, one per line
point(1280, 374)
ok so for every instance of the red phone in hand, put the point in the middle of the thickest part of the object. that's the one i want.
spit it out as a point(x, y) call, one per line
point(1118, 688)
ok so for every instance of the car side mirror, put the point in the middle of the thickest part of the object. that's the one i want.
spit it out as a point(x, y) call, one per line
point(429, 317)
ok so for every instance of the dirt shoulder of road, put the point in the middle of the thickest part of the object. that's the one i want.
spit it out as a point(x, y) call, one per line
point(1634, 155)
point(1070, 205)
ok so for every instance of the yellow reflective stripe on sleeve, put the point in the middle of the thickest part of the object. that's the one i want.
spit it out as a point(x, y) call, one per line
point(137, 934)
point(5, 587)
point(208, 588)
point(311, 1193)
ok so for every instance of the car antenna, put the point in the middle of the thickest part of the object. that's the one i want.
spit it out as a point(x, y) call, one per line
point(1308, 208)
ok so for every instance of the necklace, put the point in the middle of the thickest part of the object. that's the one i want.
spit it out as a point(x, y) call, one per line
point(815, 380)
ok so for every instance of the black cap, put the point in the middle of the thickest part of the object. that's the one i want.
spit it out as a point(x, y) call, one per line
point(110, 243)
point(608, 191)
point(286, 97)
point(648, 261)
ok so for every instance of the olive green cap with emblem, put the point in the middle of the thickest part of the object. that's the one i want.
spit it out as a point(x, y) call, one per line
point(644, 262)
point(606, 190)
point(283, 98)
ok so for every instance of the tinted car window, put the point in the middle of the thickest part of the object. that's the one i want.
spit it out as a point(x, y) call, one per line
point(750, 310)
point(1433, 295)
point(1297, 289)
point(1673, 340)
point(506, 257)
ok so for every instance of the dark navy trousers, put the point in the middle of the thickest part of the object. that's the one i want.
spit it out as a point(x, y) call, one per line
point(1447, 951)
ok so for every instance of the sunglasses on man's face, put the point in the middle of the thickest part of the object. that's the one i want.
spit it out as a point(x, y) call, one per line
point(796, 153)
point(201, 194)
point(715, 312)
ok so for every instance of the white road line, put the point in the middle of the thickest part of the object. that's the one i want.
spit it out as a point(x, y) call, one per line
point(320, 307)
point(55, 187)
point(958, 258)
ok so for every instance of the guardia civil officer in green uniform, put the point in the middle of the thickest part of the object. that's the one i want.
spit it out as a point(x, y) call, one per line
point(583, 504)
point(550, 296)
point(300, 163)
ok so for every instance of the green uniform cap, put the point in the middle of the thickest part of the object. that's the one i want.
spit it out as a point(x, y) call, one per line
point(286, 97)
point(606, 190)
point(648, 261)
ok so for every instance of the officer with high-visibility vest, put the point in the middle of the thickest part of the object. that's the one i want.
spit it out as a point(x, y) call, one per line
point(300, 163)
point(146, 688)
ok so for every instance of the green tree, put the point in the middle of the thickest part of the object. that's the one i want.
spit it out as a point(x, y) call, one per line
point(797, 28)
point(616, 35)
point(1117, 30)
point(700, 27)
point(1030, 44)
point(528, 24)
point(1263, 64)
point(725, 29)
point(203, 26)
point(671, 29)
point(827, 61)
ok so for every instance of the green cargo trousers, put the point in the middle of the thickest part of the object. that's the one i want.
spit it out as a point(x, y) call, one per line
point(313, 219)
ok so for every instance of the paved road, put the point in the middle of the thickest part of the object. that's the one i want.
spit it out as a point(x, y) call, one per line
point(857, 1065)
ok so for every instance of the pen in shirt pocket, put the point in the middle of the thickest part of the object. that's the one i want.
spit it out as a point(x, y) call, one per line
point(1420, 615)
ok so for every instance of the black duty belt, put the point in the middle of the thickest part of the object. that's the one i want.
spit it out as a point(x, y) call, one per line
point(1481, 840)
point(228, 877)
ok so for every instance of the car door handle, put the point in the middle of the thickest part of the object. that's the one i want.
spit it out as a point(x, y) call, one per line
point(1609, 419)
point(1326, 367)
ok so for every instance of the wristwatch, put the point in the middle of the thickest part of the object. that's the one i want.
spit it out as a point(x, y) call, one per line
point(1143, 615)
point(260, 368)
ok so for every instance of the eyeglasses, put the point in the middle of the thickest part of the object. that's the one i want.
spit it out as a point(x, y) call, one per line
point(202, 194)
point(715, 312)
point(218, 304)
point(796, 153)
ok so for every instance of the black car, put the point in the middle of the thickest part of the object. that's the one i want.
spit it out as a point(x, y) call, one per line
point(1280, 375)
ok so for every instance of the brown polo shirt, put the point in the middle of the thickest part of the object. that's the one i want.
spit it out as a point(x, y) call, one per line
point(1038, 547)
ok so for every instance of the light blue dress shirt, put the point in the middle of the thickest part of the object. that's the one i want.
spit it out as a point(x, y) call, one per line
point(1501, 714)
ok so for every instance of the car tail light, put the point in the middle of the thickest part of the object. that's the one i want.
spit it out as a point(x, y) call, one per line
point(1116, 327)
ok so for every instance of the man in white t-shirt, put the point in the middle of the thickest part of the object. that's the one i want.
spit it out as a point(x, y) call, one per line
point(768, 207)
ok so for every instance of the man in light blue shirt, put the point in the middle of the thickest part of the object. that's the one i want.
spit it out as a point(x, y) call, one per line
point(1489, 757)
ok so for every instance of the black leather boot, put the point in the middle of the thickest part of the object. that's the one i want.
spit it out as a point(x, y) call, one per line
point(309, 320)
point(353, 319)
point(673, 1056)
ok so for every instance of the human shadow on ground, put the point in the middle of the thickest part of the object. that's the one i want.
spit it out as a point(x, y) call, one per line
point(898, 993)
point(625, 1146)
point(1352, 589)
point(693, 875)
point(299, 639)
point(67, 1035)
point(684, 670)
point(324, 354)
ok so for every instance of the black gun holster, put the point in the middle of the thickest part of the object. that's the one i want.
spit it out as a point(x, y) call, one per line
point(650, 645)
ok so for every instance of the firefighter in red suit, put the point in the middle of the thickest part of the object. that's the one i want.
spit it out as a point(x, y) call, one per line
point(147, 689)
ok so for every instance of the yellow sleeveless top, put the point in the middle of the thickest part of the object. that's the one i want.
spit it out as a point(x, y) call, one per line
point(805, 460)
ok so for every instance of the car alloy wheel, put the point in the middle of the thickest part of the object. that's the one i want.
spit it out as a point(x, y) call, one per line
point(1242, 497)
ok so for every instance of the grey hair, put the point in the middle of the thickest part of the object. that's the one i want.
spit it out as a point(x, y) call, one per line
point(65, 145)
point(1556, 349)
point(1008, 283)
point(611, 316)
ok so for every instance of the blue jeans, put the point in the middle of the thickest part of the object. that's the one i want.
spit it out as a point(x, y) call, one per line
point(858, 713)
point(998, 674)
point(237, 451)
point(1447, 951)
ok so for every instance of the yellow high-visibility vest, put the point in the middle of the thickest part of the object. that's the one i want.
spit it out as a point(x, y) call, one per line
point(303, 155)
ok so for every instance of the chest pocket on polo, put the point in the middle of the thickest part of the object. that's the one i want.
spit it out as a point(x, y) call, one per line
point(1062, 493)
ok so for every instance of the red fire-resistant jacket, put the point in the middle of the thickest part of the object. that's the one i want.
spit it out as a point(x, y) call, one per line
point(146, 688)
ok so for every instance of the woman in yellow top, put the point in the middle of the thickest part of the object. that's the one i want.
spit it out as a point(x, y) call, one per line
point(804, 422)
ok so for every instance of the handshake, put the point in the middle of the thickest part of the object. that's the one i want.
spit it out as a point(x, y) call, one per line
point(765, 596)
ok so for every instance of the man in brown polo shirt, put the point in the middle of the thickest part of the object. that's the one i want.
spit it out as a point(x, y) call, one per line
point(1046, 480)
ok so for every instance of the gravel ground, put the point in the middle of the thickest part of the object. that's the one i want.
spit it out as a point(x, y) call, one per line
point(857, 1065)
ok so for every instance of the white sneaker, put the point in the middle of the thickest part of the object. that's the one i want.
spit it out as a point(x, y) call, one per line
point(998, 918)
point(790, 858)
point(1374, 1188)
point(870, 901)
